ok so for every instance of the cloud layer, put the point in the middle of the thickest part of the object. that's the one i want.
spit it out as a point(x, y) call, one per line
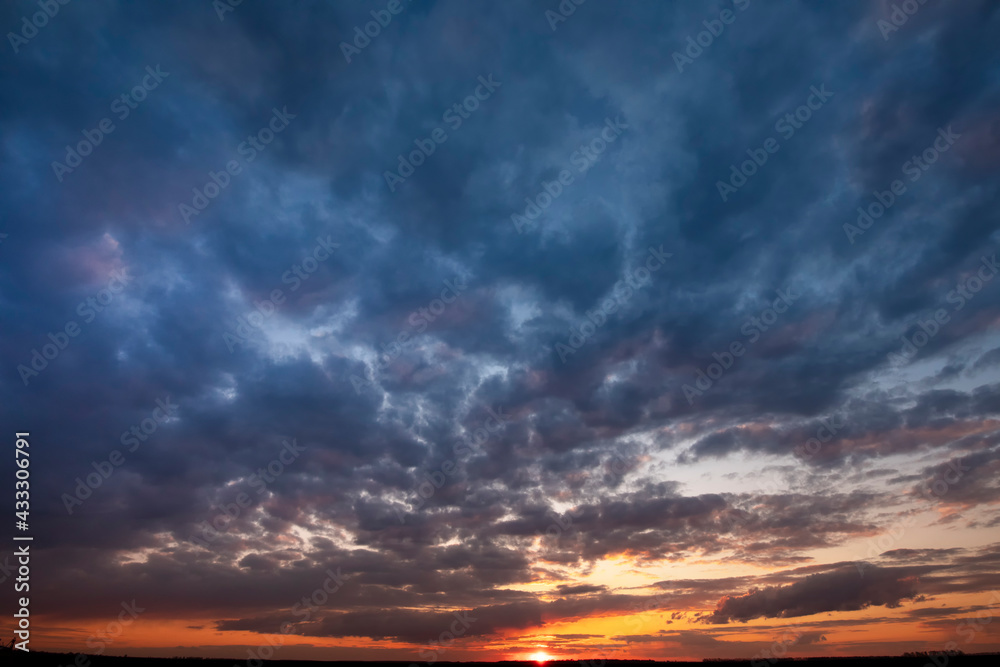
point(487, 413)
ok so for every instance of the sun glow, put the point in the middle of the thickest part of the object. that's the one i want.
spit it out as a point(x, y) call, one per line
point(541, 657)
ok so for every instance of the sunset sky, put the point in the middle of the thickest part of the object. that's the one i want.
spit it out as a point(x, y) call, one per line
point(470, 331)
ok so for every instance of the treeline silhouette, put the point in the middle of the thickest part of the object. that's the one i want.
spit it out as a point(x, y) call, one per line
point(912, 659)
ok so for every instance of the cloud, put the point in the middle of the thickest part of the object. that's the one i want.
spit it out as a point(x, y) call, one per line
point(609, 433)
point(841, 590)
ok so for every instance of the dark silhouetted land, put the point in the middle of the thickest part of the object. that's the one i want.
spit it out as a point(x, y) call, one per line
point(40, 659)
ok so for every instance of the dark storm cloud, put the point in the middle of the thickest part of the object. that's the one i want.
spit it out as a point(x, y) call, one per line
point(842, 590)
point(577, 429)
point(581, 589)
point(867, 426)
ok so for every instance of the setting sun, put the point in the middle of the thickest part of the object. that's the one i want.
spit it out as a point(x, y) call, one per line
point(541, 657)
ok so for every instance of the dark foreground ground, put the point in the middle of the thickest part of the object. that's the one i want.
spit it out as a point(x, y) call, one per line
point(72, 660)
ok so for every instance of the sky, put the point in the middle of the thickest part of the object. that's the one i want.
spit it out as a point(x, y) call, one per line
point(472, 331)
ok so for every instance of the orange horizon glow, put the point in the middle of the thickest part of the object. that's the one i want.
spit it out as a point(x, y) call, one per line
point(878, 626)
